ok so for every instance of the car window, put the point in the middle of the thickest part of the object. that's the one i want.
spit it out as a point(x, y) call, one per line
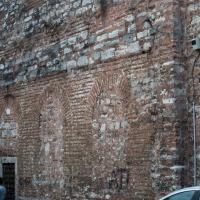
point(182, 196)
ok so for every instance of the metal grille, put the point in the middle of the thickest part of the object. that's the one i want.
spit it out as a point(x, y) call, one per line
point(9, 180)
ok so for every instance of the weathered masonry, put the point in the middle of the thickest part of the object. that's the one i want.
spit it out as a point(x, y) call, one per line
point(96, 98)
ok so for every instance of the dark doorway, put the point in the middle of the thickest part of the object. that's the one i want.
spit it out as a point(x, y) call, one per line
point(9, 180)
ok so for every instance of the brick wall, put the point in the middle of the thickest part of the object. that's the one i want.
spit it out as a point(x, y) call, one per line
point(100, 95)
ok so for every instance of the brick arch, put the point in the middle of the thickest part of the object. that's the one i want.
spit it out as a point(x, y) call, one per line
point(57, 91)
point(103, 82)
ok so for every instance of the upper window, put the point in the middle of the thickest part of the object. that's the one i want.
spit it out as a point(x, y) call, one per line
point(182, 196)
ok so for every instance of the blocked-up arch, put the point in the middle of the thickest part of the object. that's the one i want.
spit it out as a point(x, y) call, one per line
point(108, 102)
point(103, 82)
point(60, 93)
point(53, 124)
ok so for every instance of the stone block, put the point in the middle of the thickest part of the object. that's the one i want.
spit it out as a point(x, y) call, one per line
point(76, 4)
point(2, 66)
point(121, 51)
point(79, 46)
point(128, 38)
point(132, 28)
point(96, 56)
point(112, 43)
point(28, 19)
point(82, 61)
point(95, 125)
point(86, 2)
point(195, 19)
point(84, 34)
point(103, 128)
point(113, 34)
point(63, 66)
point(111, 126)
point(63, 43)
point(110, 53)
point(117, 125)
point(193, 7)
point(72, 40)
point(6, 133)
point(67, 50)
point(102, 37)
point(129, 18)
point(169, 101)
point(147, 46)
point(82, 10)
point(33, 74)
point(134, 48)
point(142, 34)
point(71, 64)
point(99, 46)
point(92, 39)
point(2, 142)
point(124, 124)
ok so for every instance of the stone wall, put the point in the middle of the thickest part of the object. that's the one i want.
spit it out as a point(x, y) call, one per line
point(192, 22)
point(99, 96)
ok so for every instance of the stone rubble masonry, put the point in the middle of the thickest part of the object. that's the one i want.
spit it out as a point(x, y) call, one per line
point(192, 22)
point(96, 96)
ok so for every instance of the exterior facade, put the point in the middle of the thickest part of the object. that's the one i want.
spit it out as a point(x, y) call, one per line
point(96, 98)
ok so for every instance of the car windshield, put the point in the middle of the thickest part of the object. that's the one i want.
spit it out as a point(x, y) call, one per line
point(182, 196)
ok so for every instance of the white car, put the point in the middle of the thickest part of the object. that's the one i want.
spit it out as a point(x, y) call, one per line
point(190, 193)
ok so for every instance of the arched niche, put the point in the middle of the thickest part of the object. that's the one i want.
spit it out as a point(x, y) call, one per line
point(53, 124)
point(107, 105)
